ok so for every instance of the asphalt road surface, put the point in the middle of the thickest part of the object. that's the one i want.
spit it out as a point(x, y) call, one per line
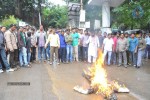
point(56, 82)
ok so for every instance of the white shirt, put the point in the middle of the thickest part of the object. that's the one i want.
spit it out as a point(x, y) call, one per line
point(147, 40)
point(108, 44)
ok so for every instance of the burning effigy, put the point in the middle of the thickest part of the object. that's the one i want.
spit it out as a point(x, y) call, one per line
point(99, 84)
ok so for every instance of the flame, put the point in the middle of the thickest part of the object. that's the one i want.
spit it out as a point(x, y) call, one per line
point(99, 78)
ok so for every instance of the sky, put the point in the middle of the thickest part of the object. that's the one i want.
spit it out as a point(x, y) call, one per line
point(56, 2)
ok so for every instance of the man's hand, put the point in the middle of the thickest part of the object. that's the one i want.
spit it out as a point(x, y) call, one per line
point(45, 46)
point(12, 50)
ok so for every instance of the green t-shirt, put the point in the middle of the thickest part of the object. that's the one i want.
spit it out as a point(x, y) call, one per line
point(75, 37)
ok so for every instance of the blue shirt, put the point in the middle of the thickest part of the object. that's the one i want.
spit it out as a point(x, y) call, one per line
point(133, 43)
point(62, 40)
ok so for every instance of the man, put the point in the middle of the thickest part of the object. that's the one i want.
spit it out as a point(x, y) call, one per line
point(122, 47)
point(127, 52)
point(140, 50)
point(54, 41)
point(93, 48)
point(84, 39)
point(11, 44)
point(41, 40)
point(114, 53)
point(2, 52)
point(101, 39)
point(62, 49)
point(33, 45)
point(147, 46)
point(22, 47)
point(80, 46)
point(108, 48)
point(133, 43)
point(75, 43)
point(69, 47)
point(48, 46)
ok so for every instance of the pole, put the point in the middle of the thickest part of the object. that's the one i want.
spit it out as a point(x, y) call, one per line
point(39, 19)
point(81, 2)
point(39, 5)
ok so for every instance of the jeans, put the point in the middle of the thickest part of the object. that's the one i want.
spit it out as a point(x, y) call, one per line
point(128, 57)
point(41, 53)
point(139, 57)
point(124, 55)
point(23, 56)
point(4, 59)
point(28, 56)
point(109, 56)
point(133, 57)
point(69, 49)
point(75, 51)
point(114, 57)
point(62, 54)
point(13, 59)
point(148, 50)
point(33, 53)
point(48, 52)
point(80, 52)
point(85, 53)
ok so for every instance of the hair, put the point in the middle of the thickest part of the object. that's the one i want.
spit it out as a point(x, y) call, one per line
point(108, 34)
point(11, 25)
point(67, 30)
point(2, 26)
point(122, 34)
point(29, 34)
point(32, 29)
point(132, 33)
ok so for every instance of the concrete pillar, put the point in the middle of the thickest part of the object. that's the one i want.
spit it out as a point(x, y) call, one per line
point(106, 14)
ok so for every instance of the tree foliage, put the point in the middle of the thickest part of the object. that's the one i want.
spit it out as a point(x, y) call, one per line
point(55, 16)
point(9, 20)
point(123, 18)
point(23, 9)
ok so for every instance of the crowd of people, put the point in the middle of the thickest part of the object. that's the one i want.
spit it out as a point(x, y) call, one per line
point(22, 46)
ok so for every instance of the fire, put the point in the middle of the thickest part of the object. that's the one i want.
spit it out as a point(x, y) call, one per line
point(99, 77)
point(99, 83)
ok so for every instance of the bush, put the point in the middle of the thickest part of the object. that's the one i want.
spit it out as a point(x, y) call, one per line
point(7, 21)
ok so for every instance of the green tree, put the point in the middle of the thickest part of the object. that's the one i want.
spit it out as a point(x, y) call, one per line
point(123, 18)
point(55, 16)
point(9, 20)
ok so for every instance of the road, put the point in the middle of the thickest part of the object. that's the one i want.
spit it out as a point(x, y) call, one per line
point(57, 82)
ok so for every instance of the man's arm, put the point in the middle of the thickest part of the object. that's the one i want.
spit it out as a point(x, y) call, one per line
point(48, 40)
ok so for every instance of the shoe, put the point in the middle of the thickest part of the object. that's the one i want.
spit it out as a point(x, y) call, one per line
point(138, 67)
point(1, 71)
point(125, 66)
point(28, 66)
point(119, 65)
point(129, 64)
point(10, 70)
point(58, 63)
point(50, 63)
point(67, 62)
point(18, 67)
